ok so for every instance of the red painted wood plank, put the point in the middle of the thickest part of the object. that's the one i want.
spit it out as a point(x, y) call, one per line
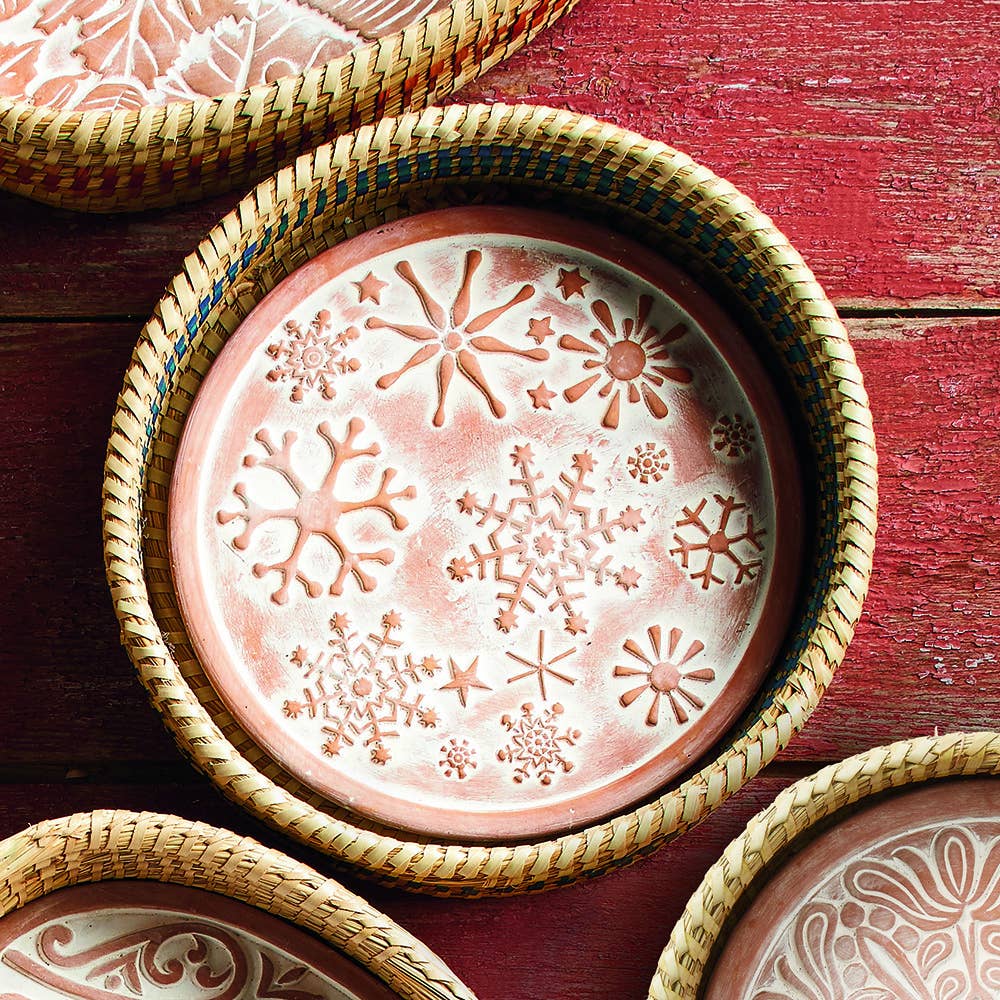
point(922, 655)
point(590, 941)
point(868, 130)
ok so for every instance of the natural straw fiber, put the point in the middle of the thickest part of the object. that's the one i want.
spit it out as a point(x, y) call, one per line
point(110, 161)
point(790, 818)
point(527, 155)
point(107, 845)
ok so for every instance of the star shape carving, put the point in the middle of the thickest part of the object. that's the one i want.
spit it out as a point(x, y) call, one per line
point(370, 289)
point(541, 398)
point(462, 680)
point(539, 329)
point(571, 283)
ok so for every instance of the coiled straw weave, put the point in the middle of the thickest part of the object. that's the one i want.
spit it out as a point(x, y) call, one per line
point(513, 154)
point(105, 845)
point(800, 807)
point(113, 161)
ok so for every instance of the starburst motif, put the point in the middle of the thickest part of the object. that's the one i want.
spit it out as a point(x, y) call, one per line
point(370, 288)
point(699, 543)
point(542, 665)
point(536, 745)
point(453, 338)
point(634, 361)
point(541, 398)
point(458, 758)
point(648, 463)
point(316, 512)
point(363, 689)
point(665, 676)
point(539, 330)
point(733, 436)
point(548, 541)
point(313, 358)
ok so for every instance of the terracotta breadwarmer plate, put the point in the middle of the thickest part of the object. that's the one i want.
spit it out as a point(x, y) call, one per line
point(486, 524)
point(877, 886)
point(489, 499)
point(134, 103)
point(112, 906)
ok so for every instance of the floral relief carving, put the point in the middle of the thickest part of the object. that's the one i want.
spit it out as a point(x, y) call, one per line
point(917, 918)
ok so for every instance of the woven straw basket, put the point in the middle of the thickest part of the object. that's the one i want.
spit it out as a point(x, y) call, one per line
point(791, 817)
point(526, 155)
point(184, 150)
point(107, 845)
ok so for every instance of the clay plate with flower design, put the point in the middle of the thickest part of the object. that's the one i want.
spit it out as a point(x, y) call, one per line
point(106, 55)
point(118, 940)
point(486, 523)
point(900, 900)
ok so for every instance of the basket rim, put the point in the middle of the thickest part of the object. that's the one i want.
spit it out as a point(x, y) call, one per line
point(792, 815)
point(108, 844)
point(147, 115)
point(446, 868)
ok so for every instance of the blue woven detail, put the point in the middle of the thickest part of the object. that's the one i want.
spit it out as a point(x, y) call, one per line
point(342, 192)
point(425, 166)
point(321, 199)
point(361, 183)
point(404, 170)
point(543, 160)
point(303, 214)
point(180, 348)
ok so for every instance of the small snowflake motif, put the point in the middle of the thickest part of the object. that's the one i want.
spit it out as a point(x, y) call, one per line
point(551, 541)
point(700, 546)
point(665, 676)
point(314, 358)
point(536, 746)
point(458, 758)
point(316, 511)
point(733, 436)
point(648, 463)
point(363, 688)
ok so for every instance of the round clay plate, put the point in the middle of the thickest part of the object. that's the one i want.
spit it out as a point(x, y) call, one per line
point(165, 942)
point(105, 55)
point(485, 524)
point(900, 901)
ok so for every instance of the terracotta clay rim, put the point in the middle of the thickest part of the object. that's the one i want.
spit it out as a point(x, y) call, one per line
point(791, 821)
point(528, 821)
point(178, 899)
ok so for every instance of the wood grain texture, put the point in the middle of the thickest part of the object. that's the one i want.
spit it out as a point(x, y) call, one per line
point(869, 131)
point(591, 941)
point(930, 634)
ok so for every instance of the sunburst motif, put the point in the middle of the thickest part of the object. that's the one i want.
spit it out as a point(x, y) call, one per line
point(666, 677)
point(453, 337)
point(634, 361)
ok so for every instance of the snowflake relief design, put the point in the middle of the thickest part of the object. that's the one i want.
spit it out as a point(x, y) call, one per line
point(549, 542)
point(733, 436)
point(363, 689)
point(316, 512)
point(706, 545)
point(455, 336)
point(312, 359)
point(458, 759)
point(633, 361)
point(536, 746)
point(648, 463)
point(665, 676)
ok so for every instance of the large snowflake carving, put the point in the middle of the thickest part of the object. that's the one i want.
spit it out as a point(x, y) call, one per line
point(665, 676)
point(316, 512)
point(453, 337)
point(363, 689)
point(701, 546)
point(633, 360)
point(537, 746)
point(548, 542)
point(313, 358)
